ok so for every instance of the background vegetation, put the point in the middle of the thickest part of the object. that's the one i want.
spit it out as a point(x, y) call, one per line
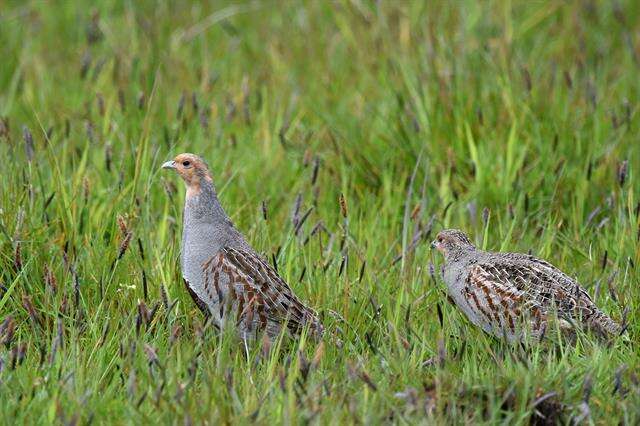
point(515, 121)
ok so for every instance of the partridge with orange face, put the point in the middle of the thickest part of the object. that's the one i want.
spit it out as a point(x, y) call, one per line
point(512, 294)
point(226, 278)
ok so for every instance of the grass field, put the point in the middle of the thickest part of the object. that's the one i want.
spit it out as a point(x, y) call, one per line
point(515, 121)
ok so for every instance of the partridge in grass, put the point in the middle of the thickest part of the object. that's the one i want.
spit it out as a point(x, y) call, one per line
point(515, 295)
point(226, 278)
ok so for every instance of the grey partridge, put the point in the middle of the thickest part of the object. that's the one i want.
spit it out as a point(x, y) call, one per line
point(226, 278)
point(515, 295)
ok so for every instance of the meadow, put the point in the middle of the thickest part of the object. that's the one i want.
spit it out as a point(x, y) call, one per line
point(341, 136)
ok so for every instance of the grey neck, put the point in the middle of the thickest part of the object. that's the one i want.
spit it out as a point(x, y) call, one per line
point(458, 253)
point(206, 223)
point(205, 206)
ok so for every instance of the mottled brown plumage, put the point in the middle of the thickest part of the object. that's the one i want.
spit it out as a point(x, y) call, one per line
point(513, 295)
point(226, 278)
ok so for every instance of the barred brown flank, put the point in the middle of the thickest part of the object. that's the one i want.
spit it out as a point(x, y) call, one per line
point(479, 307)
point(512, 324)
point(232, 283)
point(261, 277)
point(516, 289)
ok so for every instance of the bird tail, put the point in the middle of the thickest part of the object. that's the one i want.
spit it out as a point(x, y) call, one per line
point(603, 324)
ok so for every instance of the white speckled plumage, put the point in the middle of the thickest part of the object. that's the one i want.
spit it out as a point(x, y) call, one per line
point(515, 295)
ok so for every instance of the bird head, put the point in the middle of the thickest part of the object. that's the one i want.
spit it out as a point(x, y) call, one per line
point(451, 240)
point(192, 169)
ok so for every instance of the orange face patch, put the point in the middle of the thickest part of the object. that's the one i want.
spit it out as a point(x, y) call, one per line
point(192, 169)
point(450, 239)
point(440, 242)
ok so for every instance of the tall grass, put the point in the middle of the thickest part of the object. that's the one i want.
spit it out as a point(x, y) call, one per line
point(515, 121)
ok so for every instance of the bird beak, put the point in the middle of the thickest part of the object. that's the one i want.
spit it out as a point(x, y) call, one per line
point(433, 244)
point(169, 165)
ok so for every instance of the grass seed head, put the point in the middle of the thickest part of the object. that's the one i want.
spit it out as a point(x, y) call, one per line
point(343, 206)
point(7, 330)
point(28, 143)
point(623, 168)
point(100, 102)
point(122, 225)
point(50, 279)
point(27, 304)
point(88, 127)
point(124, 245)
point(203, 117)
point(152, 354)
point(194, 102)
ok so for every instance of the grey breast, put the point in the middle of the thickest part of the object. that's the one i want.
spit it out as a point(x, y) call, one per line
point(200, 241)
point(206, 230)
point(455, 277)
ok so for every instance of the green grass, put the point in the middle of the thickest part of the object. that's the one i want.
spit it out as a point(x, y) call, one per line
point(509, 120)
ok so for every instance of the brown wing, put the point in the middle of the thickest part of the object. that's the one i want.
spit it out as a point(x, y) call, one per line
point(499, 298)
point(571, 299)
point(505, 292)
point(259, 296)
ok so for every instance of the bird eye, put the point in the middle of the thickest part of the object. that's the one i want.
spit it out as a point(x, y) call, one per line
point(186, 163)
point(440, 239)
